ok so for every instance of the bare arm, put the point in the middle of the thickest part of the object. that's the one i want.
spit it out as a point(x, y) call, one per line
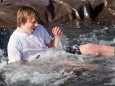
point(57, 32)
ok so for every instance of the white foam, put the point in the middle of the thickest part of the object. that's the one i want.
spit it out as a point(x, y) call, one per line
point(42, 70)
point(2, 60)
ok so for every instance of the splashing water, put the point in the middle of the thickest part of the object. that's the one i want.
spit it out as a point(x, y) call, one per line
point(57, 67)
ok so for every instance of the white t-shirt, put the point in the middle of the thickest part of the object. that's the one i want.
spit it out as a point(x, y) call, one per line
point(23, 46)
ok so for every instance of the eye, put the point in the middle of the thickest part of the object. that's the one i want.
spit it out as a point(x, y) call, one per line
point(34, 22)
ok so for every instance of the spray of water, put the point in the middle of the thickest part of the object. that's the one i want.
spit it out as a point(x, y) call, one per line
point(55, 67)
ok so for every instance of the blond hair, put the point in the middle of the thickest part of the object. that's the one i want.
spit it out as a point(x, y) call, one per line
point(25, 13)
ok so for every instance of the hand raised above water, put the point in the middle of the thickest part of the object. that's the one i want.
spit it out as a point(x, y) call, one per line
point(57, 31)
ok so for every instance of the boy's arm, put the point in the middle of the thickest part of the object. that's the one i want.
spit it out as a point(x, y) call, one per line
point(57, 32)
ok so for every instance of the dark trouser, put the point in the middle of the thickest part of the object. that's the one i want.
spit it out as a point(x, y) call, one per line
point(73, 49)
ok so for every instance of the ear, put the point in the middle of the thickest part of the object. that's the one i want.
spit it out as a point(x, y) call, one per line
point(22, 24)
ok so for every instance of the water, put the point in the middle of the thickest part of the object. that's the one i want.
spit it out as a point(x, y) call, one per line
point(58, 68)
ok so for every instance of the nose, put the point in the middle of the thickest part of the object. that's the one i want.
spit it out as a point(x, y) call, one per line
point(36, 24)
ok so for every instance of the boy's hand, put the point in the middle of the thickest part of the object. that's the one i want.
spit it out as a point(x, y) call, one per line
point(57, 32)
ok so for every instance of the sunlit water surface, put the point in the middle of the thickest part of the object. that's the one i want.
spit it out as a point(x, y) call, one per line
point(58, 68)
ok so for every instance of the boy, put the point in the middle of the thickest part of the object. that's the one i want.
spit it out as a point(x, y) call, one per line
point(30, 38)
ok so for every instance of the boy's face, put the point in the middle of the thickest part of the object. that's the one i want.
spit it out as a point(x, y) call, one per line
point(30, 25)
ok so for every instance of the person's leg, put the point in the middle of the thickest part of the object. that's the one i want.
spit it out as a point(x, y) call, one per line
point(107, 50)
point(92, 49)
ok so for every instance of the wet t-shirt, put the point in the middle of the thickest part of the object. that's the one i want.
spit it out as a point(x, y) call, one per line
point(23, 46)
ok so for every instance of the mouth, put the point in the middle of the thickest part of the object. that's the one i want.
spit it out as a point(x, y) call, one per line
point(33, 29)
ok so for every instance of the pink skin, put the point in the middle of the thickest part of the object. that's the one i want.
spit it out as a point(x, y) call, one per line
point(92, 49)
point(57, 32)
point(29, 26)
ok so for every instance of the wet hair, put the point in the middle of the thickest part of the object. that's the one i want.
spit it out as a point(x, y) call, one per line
point(25, 13)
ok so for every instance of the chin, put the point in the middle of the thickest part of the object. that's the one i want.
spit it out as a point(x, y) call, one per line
point(32, 32)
